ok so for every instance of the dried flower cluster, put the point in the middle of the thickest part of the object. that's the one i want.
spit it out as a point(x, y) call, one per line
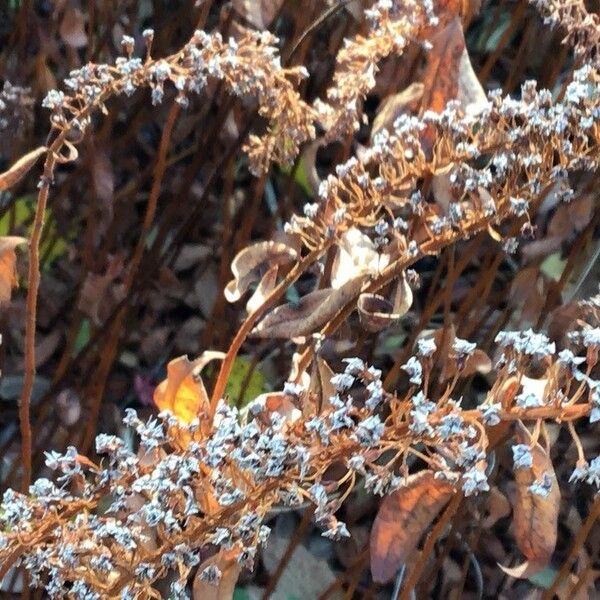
point(164, 502)
point(192, 493)
point(249, 67)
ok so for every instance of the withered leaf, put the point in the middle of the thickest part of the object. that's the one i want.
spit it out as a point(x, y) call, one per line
point(258, 12)
point(395, 105)
point(72, 28)
point(377, 313)
point(320, 383)
point(223, 588)
point(249, 264)
point(8, 258)
point(356, 255)
point(265, 287)
point(401, 521)
point(313, 310)
point(20, 168)
point(535, 516)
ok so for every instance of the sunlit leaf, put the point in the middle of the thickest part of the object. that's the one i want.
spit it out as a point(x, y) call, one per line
point(8, 259)
point(402, 519)
point(535, 516)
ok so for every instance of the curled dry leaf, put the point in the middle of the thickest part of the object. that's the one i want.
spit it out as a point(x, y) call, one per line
point(265, 287)
point(313, 310)
point(20, 168)
point(8, 258)
point(356, 255)
point(249, 265)
point(183, 392)
point(377, 313)
point(222, 589)
point(535, 517)
point(320, 386)
point(401, 521)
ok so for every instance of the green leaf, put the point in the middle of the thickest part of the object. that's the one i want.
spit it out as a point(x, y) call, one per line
point(553, 266)
point(301, 177)
point(52, 246)
point(83, 336)
point(256, 385)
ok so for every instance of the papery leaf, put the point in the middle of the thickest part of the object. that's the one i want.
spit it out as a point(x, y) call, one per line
point(265, 287)
point(441, 78)
point(8, 259)
point(535, 519)
point(356, 255)
point(258, 12)
point(183, 392)
point(248, 265)
point(320, 383)
point(377, 313)
point(402, 519)
point(312, 311)
point(406, 101)
point(229, 569)
point(20, 168)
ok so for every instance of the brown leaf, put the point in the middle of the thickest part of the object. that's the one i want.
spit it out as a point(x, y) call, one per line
point(395, 105)
point(230, 570)
point(99, 291)
point(377, 313)
point(249, 264)
point(103, 176)
point(8, 258)
point(20, 168)
point(72, 28)
point(535, 517)
point(320, 383)
point(259, 13)
point(305, 317)
point(498, 507)
point(442, 74)
point(401, 521)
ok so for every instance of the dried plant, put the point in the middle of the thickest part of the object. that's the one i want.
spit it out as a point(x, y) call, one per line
point(189, 499)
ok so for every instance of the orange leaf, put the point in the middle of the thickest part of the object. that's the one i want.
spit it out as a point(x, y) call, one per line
point(183, 392)
point(535, 516)
point(223, 587)
point(402, 519)
point(8, 258)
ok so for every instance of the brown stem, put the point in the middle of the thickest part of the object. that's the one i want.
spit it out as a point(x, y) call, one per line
point(251, 320)
point(31, 312)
